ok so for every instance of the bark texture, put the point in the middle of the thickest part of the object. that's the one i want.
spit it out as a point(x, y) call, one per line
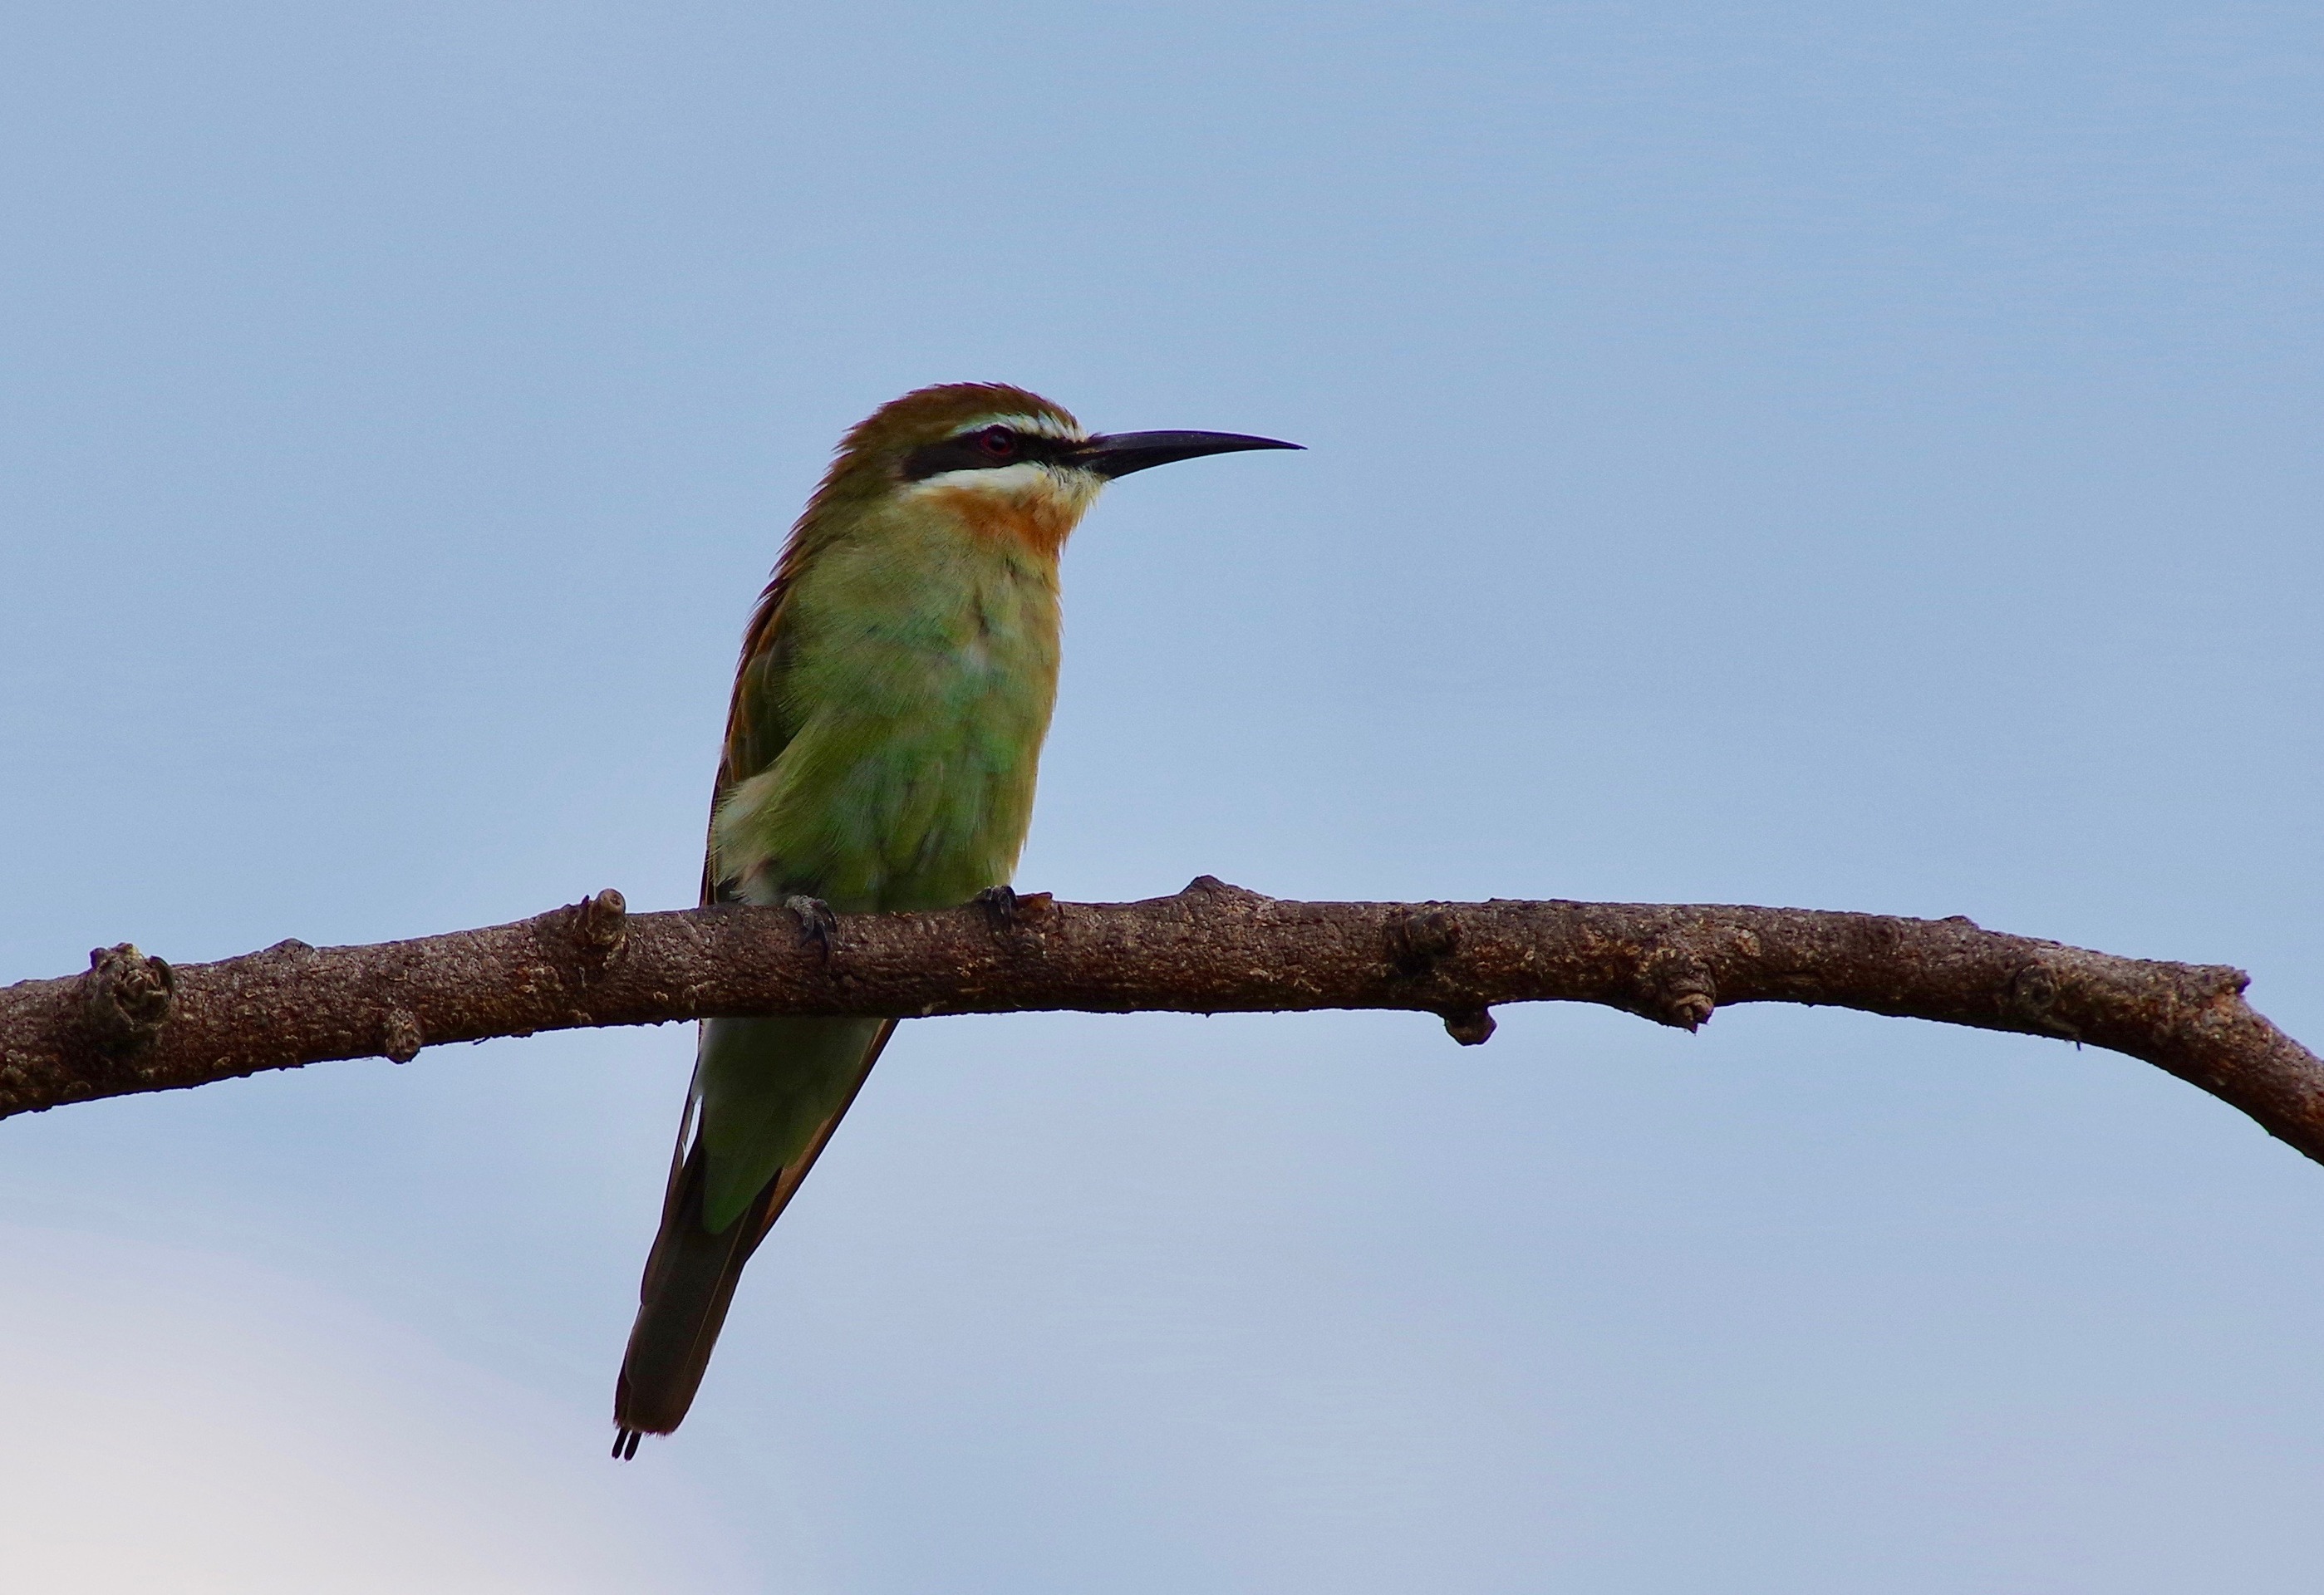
point(133, 1023)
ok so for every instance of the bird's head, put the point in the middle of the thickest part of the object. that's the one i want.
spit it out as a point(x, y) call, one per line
point(1003, 462)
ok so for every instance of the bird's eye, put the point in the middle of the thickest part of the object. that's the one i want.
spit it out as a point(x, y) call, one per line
point(997, 443)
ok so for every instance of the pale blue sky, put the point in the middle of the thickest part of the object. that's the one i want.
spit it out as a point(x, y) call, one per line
point(1860, 457)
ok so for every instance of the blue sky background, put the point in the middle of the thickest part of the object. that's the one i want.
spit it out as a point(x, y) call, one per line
point(1811, 454)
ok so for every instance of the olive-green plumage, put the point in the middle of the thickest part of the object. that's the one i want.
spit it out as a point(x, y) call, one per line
point(881, 745)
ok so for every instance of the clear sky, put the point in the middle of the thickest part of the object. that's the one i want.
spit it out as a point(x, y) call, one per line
point(1814, 454)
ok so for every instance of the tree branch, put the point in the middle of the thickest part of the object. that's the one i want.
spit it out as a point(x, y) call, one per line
point(133, 1023)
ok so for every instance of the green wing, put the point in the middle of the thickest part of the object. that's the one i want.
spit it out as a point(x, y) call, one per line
point(759, 726)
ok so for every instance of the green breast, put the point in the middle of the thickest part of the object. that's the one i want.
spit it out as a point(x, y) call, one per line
point(919, 677)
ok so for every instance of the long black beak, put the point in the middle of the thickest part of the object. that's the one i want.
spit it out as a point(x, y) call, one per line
point(1120, 453)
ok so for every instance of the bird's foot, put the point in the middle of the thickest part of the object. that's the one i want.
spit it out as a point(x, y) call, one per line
point(817, 921)
point(1011, 911)
point(998, 903)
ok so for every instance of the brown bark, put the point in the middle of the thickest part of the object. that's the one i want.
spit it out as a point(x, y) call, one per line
point(133, 1023)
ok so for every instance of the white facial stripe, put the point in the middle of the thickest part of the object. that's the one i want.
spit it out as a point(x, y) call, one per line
point(1038, 426)
point(1023, 478)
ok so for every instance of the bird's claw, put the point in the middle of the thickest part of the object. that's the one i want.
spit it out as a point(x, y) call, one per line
point(1010, 909)
point(817, 921)
point(999, 904)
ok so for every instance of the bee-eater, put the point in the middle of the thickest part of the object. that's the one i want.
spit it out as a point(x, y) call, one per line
point(895, 687)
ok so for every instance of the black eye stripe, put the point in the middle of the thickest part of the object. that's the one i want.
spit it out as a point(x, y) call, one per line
point(975, 451)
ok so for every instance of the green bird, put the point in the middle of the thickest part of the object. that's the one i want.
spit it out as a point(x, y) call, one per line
point(882, 743)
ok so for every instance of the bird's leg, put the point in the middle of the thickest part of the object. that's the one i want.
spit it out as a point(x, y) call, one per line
point(817, 921)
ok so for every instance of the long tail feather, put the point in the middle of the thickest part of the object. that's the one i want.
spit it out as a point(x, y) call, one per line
point(691, 1274)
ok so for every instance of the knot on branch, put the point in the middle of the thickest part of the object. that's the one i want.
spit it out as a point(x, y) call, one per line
point(2220, 981)
point(1674, 986)
point(1419, 939)
point(125, 998)
point(1218, 891)
point(2032, 1000)
point(1471, 1026)
point(600, 923)
point(400, 1038)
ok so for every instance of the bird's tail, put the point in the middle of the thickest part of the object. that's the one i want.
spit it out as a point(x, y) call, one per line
point(689, 1280)
point(691, 1274)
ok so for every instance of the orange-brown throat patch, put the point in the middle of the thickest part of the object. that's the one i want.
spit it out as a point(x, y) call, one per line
point(1038, 522)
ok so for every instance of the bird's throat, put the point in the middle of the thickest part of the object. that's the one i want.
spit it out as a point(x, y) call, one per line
point(1037, 520)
